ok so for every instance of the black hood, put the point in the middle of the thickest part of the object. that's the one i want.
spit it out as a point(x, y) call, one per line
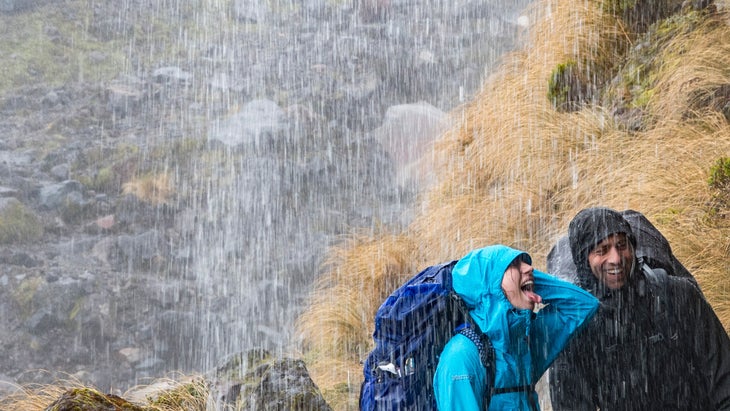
point(588, 228)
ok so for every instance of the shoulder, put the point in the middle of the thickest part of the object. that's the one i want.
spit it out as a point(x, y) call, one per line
point(682, 295)
point(683, 286)
point(658, 278)
point(459, 346)
point(460, 355)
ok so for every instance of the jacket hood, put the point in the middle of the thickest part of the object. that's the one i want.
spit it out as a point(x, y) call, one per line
point(477, 278)
point(588, 228)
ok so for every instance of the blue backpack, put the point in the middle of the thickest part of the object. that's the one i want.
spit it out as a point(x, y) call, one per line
point(412, 327)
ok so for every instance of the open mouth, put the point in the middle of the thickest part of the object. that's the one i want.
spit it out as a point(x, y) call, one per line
point(528, 288)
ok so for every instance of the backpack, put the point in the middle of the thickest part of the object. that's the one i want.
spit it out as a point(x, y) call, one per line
point(651, 247)
point(412, 327)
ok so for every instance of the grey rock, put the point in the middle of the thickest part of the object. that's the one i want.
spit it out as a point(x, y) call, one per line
point(172, 74)
point(60, 172)
point(256, 381)
point(55, 195)
point(257, 124)
point(18, 5)
point(251, 11)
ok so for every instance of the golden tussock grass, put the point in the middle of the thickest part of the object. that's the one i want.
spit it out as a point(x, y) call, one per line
point(154, 189)
point(356, 277)
point(176, 393)
point(695, 67)
point(33, 397)
point(516, 171)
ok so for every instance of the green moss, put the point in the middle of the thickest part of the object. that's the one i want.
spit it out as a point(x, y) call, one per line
point(176, 153)
point(720, 174)
point(18, 224)
point(78, 305)
point(105, 170)
point(73, 212)
point(44, 47)
point(719, 183)
point(565, 86)
point(24, 293)
point(617, 7)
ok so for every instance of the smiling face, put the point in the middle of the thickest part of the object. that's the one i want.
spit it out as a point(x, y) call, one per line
point(518, 285)
point(611, 261)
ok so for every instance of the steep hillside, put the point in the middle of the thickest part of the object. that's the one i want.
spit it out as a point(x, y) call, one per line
point(622, 104)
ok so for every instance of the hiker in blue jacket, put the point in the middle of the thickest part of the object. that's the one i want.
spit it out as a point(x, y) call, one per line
point(529, 316)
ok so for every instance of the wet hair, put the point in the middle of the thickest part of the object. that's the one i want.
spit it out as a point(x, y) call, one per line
point(587, 229)
point(522, 258)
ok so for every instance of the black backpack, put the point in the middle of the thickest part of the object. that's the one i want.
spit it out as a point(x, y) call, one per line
point(412, 327)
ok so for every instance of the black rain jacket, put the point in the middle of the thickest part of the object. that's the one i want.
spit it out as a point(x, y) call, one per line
point(654, 345)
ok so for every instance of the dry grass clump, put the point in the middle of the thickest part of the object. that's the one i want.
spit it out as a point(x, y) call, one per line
point(179, 394)
point(693, 78)
point(154, 189)
point(518, 170)
point(36, 397)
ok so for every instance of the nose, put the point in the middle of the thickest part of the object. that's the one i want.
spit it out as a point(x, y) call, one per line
point(613, 256)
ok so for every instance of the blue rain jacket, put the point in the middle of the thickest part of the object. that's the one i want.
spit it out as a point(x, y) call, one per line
point(525, 344)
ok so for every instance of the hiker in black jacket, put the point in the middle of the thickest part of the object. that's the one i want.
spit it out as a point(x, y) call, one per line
point(655, 343)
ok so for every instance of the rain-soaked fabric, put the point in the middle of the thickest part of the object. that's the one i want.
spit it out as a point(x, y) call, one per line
point(525, 344)
point(654, 345)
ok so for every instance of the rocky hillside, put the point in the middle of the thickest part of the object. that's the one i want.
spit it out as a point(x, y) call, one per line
point(171, 173)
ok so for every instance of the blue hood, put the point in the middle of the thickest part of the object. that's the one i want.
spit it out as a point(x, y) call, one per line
point(477, 278)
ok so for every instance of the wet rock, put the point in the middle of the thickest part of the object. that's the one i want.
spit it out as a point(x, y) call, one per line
point(43, 321)
point(51, 99)
point(20, 259)
point(136, 251)
point(56, 195)
point(60, 172)
point(256, 381)
point(251, 11)
point(172, 75)
point(18, 5)
point(257, 124)
point(407, 133)
point(8, 192)
point(124, 97)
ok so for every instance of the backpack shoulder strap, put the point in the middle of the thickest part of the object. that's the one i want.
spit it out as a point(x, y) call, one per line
point(471, 330)
point(657, 280)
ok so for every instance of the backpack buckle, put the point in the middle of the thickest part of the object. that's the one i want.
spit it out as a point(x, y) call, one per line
point(389, 367)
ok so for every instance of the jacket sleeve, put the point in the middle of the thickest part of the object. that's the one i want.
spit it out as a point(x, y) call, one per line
point(568, 309)
point(460, 377)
